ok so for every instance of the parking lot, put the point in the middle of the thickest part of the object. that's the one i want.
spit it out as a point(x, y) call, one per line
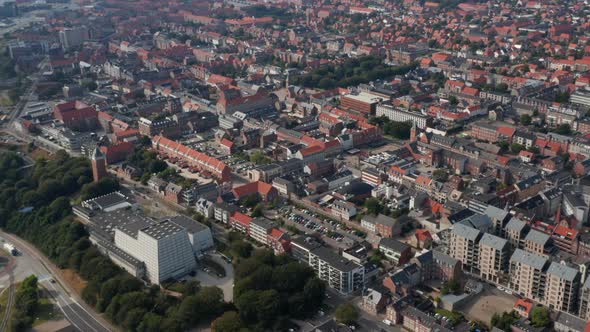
point(207, 277)
point(334, 233)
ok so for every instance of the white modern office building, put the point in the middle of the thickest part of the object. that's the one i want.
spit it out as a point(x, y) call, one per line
point(164, 247)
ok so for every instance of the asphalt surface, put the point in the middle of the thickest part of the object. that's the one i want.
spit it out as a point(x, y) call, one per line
point(31, 261)
point(73, 312)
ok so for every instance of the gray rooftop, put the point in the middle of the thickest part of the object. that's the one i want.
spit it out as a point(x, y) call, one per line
point(515, 224)
point(380, 219)
point(106, 201)
point(190, 225)
point(465, 231)
point(124, 219)
point(134, 227)
point(334, 260)
point(392, 244)
point(495, 213)
point(444, 258)
point(481, 222)
point(562, 271)
point(262, 223)
point(572, 322)
point(162, 229)
point(493, 241)
point(529, 258)
point(537, 237)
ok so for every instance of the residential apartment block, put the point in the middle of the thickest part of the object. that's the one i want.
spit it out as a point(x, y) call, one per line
point(339, 273)
point(493, 258)
point(400, 115)
point(464, 246)
point(527, 277)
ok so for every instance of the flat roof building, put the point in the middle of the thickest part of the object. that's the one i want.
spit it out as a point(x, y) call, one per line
point(164, 247)
point(339, 273)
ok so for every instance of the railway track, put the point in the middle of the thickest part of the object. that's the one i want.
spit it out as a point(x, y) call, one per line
point(9, 304)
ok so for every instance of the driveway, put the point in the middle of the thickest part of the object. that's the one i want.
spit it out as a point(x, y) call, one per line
point(226, 283)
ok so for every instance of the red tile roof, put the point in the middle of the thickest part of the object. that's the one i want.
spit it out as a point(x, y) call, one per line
point(276, 233)
point(242, 219)
point(259, 187)
point(524, 305)
point(565, 232)
point(506, 131)
point(195, 158)
point(423, 235)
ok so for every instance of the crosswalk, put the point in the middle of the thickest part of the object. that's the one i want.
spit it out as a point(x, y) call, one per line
point(43, 277)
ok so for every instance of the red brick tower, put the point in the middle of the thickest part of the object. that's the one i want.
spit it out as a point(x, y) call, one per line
point(414, 132)
point(99, 165)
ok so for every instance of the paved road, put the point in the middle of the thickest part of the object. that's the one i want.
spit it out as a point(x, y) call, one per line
point(75, 310)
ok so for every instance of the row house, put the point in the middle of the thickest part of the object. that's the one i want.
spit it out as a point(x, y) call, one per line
point(198, 160)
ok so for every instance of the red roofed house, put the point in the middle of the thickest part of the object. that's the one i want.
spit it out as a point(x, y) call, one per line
point(173, 192)
point(194, 158)
point(76, 115)
point(233, 100)
point(526, 156)
point(279, 241)
point(227, 146)
point(311, 154)
point(118, 152)
point(506, 133)
point(129, 135)
point(423, 238)
point(524, 307)
point(566, 239)
point(241, 222)
point(265, 191)
point(220, 81)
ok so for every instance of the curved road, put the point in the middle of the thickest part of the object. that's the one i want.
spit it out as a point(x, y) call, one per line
point(81, 316)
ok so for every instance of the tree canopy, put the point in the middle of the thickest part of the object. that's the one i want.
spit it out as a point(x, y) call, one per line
point(540, 317)
point(349, 73)
point(270, 288)
point(346, 313)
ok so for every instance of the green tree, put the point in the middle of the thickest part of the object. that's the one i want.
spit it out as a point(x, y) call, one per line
point(257, 211)
point(540, 317)
point(228, 322)
point(346, 313)
point(440, 175)
point(504, 320)
point(373, 205)
point(260, 158)
point(526, 119)
point(516, 148)
point(564, 129)
point(452, 286)
point(241, 248)
point(314, 291)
